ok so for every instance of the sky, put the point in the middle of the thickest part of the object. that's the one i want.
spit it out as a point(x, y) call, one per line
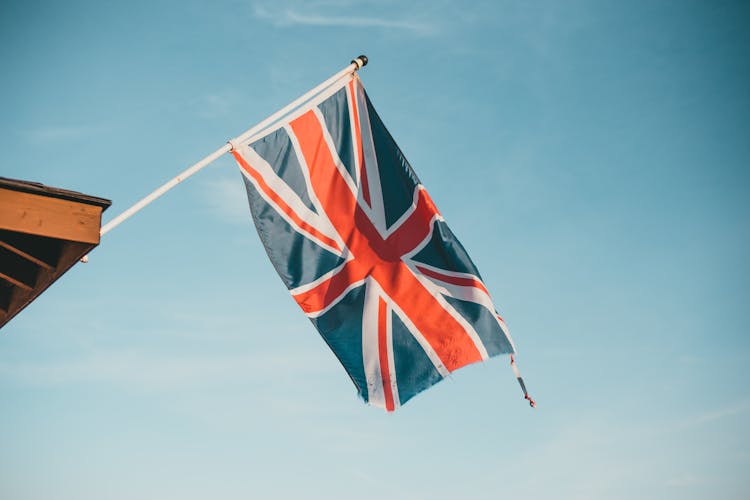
point(592, 156)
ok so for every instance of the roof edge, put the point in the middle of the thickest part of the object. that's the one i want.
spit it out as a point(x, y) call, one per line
point(53, 192)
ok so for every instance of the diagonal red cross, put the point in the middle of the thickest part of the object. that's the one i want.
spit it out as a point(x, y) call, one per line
point(376, 257)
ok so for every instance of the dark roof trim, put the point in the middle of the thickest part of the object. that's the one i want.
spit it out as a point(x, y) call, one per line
point(52, 192)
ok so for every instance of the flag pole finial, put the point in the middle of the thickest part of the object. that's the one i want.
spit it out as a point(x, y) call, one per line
point(360, 61)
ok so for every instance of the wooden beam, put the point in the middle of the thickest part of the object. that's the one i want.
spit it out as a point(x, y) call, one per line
point(51, 217)
point(72, 251)
point(19, 284)
point(26, 256)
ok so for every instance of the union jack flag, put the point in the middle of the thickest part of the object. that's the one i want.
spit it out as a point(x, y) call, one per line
point(364, 251)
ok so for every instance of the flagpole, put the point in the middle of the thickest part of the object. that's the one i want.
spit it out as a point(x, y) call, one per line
point(356, 64)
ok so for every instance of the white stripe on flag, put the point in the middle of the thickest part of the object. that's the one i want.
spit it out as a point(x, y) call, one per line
point(279, 187)
point(370, 352)
point(391, 359)
point(377, 213)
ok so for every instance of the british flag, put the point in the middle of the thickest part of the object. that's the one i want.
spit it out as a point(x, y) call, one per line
point(364, 251)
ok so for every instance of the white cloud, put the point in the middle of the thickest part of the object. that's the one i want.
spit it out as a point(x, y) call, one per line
point(150, 372)
point(579, 442)
point(714, 415)
point(687, 480)
point(214, 105)
point(295, 17)
point(59, 133)
point(218, 104)
point(226, 198)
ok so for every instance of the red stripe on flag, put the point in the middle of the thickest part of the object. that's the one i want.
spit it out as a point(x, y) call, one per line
point(454, 280)
point(320, 297)
point(327, 182)
point(385, 371)
point(358, 145)
point(416, 228)
point(282, 204)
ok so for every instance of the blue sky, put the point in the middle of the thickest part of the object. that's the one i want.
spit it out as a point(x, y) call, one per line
point(593, 157)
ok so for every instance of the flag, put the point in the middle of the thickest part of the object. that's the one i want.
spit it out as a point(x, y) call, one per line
point(364, 251)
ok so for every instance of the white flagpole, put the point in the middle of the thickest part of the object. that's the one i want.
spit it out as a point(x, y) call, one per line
point(355, 65)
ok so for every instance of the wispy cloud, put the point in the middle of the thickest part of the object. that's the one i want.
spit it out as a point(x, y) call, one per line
point(286, 17)
point(149, 372)
point(688, 480)
point(226, 198)
point(714, 415)
point(59, 133)
point(217, 104)
point(214, 105)
point(583, 439)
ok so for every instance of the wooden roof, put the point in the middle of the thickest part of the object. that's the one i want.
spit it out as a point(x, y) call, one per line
point(44, 231)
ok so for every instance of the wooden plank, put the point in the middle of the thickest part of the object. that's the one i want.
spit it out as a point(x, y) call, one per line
point(44, 249)
point(51, 217)
point(25, 255)
point(15, 282)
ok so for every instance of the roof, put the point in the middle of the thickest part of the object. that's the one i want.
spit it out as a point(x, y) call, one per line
point(44, 231)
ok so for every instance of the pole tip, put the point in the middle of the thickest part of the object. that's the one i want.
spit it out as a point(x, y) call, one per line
point(360, 61)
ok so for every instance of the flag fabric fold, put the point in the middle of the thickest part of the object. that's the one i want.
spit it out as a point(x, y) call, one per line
point(364, 251)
